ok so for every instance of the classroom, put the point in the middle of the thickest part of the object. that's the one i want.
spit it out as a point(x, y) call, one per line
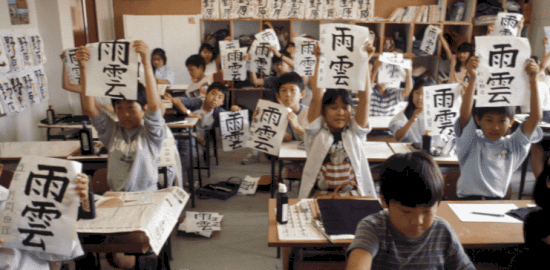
point(421, 55)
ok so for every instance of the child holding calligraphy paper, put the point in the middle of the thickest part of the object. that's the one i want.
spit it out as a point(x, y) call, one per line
point(458, 61)
point(12, 259)
point(334, 138)
point(408, 125)
point(384, 100)
point(488, 157)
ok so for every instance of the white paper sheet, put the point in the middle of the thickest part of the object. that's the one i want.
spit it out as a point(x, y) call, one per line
point(225, 9)
point(36, 47)
point(442, 108)
point(502, 80)
point(429, 42)
point(234, 127)
point(112, 70)
point(42, 207)
point(260, 57)
point(294, 9)
point(4, 61)
point(365, 10)
point(71, 66)
point(304, 60)
point(28, 79)
point(8, 96)
point(12, 50)
point(344, 60)
point(248, 185)
point(20, 90)
point(241, 9)
point(210, 9)
point(22, 43)
point(346, 9)
point(235, 69)
point(267, 129)
point(202, 221)
point(506, 24)
point(547, 35)
point(314, 9)
point(227, 45)
point(42, 82)
point(329, 10)
point(464, 212)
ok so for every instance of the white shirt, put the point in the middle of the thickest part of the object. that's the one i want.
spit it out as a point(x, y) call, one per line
point(414, 134)
point(165, 73)
point(210, 68)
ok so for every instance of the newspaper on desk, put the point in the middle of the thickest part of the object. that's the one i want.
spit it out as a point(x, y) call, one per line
point(153, 213)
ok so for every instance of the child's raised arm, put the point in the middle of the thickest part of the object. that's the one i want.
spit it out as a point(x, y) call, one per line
point(87, 102)
point(363, 108)
point(445, 46)
point(153, 98)
point(408, 83)
point(468, 97)
point(536, 112)
point(317, 94)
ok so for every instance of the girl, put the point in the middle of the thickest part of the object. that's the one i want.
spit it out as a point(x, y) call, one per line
point(334, 138)
point(163, 73)
point(408, 125)
point(209, 54)
point(458, 73)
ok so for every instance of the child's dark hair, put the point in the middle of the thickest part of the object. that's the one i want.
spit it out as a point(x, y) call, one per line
point(276, 59)
point(210, 48)
point(420, 82)
point(220, 86)
point(464, 47)
point(161, 53)
point(331, 95)
point(290, 77)
point(411, 179)
point(509, 111)
point(141, 97)
point(195, 60)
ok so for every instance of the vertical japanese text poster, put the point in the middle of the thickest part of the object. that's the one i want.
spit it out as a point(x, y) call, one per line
point(236, 65)
point(441, 108)
point(22, 44)
point(346, 9)
point(41, 210)
point(259, 51)
point(225, 9)
point(329, 9)
point(20, 90)
point(429, 42)
point(343, 63)
point(4, 60)
point(234, 127)
point(9, 98)
point(267, 129)
point(392, 69)
point(36, 47)
point(11, 49)
point(210, 9)
point(365, 9)
point(71, 66)
point(112, 70)
point(314, 9)
point(294, 9)
point(227, 45)
point(506, 24)
point(241, 9)
point(202, 222)
point(259, 7)
point(547, 35)
point(41, 82)
point(502, 80)
point(304, 59)
point(275, 9)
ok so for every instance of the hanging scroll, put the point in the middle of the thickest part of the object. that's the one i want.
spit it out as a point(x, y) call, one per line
point(365, 10)
point(36, 47)
point(314, 9)
point(8, 97)
point(210, 9)
point(11, 49)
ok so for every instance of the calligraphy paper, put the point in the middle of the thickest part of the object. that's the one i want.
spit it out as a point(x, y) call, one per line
point(236, 65)
point(294, 9)
point(365, 10)
point(241, 9)
point(8, 96)
point(22, 43)
point(225, 9)
point(267, 129)
point(502, 80)
point(4, 61)
point(346, 9)
point(314, 9)
point(329, 9)
point(248, 186)
point(210, 9)
point(506, 24)
point(41, 210)
point(202, 221)
point(227, 45)
point(392, 69)
point(234, 127)
point(442, 108)
point(11, 49)
point(260, 8)
point(269, 35)
point(304, 60)
point(547, 35)
point(20, 90)
point(344, 62)
point(260, 57)
point(429, 42)
point(41, 82)
point(275, 9)
point(36, 47)
point(71, 66)
point(112, 70)
point(28, 79)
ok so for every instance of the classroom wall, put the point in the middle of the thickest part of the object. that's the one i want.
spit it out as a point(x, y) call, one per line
point(105, 20)
point(52, 18)
point(540, 20)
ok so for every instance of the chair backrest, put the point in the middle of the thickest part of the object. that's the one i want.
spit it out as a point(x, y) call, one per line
point(5, 178)
point(99, 181)
point(449, 186)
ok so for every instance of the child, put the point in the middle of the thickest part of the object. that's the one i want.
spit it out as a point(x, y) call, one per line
point(135, 141)
point(333, 138)
point(488, 157)
point(11, 258)
point(384, 100)
point(163, 73)
point(208, 53)
point(408, 125)
point(458, 72)
point(408, 235)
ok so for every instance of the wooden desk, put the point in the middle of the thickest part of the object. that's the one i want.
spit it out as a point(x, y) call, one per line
point(13, 151)
point(440, 160)
point(380, 122)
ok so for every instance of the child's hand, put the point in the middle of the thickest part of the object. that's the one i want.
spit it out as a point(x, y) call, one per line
point(370, 49)
point(143, 49)
point(532, 68)
point(417, 113)
point(82, 56)
point(167, 96)
point(195, 115)
point(1, 241)
point(235, 108)
point(293, 120)
point(544, 41)
point(254, 114)
point(82, 189)
point(317, 51)
point(472, 65)
point(200, 139)
point(275, 51)
point(62, 55)
point(490, 28)
point(228, 38)
point(246, 57)
point(377, 64)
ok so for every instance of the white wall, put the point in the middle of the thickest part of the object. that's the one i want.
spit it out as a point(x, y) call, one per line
point(540, 20)
point(105, 20)
point(52, 18)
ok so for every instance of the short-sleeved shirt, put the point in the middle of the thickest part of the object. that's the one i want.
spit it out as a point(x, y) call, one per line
point(302, 120)
point(210, 68)
point(416, 131)
point(385, 105)
point(193, 89)
point(336, 168)
point(209, 120)
point(133, 153)
point(165, 73)
point(437, 248)
point(486, 166)
point(456, 77)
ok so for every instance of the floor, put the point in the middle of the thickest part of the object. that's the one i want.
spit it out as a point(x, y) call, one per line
point(242, 243)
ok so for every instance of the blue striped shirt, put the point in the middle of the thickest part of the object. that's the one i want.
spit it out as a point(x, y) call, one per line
point(437, 248)
point(385, 105)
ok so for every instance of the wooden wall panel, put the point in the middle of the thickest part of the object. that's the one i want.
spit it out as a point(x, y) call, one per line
point(152, 7)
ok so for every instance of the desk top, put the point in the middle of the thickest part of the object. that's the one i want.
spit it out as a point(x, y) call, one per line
point(57, 149)
point(470, 234)
point(400, 148)
point(380, 122)
point(375, 151)
point(249, 88)
point(188, 122)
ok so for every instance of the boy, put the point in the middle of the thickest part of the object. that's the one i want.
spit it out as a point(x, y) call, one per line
point(135, 140)
point(408, 235)
point(488, 157)
point(384, 100)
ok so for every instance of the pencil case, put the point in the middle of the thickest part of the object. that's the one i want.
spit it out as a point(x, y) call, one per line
point(222, 190)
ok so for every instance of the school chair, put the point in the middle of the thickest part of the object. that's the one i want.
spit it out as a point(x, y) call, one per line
point(449, 189)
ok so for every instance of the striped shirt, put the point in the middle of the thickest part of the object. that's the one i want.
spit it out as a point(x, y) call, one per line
point(385, 105)
point(336, 167)
point(437, 248)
